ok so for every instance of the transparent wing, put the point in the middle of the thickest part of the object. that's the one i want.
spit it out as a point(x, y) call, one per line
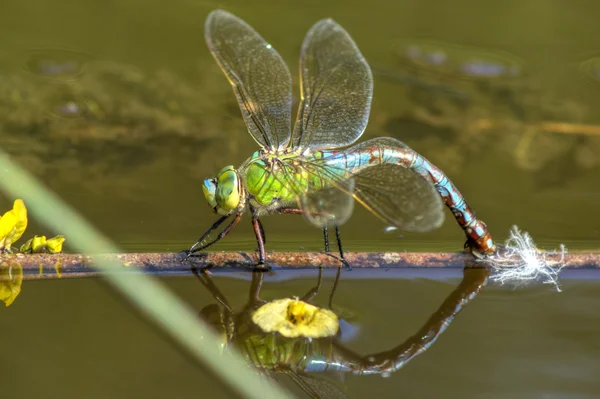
point(336, 89)
point(329, 206)
point(398, 195)
point(260, 79)
point(315, 387)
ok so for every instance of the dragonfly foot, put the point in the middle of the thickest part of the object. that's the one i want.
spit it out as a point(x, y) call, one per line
point(187, 254)
point(346, 265)
point(474, 251)
point(343, 260)
point(262, 267)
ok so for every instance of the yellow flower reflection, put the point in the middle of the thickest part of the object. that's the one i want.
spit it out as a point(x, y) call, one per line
point(11, 278)
point(294, 318)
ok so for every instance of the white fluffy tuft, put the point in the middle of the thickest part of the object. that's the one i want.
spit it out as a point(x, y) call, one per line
point(520, 262)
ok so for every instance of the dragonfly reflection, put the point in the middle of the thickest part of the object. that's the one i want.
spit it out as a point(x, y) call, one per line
point(310, 362)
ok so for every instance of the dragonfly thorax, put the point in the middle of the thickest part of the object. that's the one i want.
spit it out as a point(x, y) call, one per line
point(274, 179)
point(224, 192)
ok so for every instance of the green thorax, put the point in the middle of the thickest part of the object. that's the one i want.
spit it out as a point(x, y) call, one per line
point(279, 178)
point(272, 351)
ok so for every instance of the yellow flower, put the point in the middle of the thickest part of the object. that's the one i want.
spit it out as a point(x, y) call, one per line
point(54, 245)
point(8, 221)
point(12, 225)
point(39, 244)
point(34, 245)
point(293, 318)
point(21, 214)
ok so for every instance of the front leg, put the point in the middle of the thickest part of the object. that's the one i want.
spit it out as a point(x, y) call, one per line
point(204, 277)
point(201, 244)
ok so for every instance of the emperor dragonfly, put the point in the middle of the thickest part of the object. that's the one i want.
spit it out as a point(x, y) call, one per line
point(304, 172)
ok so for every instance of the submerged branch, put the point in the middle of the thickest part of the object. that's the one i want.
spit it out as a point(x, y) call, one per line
point(46, 266)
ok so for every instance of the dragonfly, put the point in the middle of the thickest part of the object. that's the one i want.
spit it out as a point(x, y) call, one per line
point(318, 365)
point(316, 170)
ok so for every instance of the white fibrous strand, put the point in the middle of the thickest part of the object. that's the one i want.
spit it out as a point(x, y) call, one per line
point(520, 262)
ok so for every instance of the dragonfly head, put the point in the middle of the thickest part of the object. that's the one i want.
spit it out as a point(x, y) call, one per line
point(223, 192)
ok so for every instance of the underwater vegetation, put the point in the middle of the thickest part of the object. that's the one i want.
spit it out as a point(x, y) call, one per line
point(68, 116)
point(472, 101)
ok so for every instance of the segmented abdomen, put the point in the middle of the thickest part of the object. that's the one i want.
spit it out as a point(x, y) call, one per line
point(390, 151)
point(476, 230)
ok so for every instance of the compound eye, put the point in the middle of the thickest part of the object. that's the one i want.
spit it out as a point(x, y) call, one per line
point(209, 187)
point(228, 191)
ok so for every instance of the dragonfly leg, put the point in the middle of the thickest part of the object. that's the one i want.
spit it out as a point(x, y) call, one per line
point(294, 211)
point(309, 296)
point(334, 288)
point(199, 246)
point(341, 250)
point(206, 234)
point(260, 240)
point(205, 279)
point(262, 231)
point(326, 238)
point(254, 294)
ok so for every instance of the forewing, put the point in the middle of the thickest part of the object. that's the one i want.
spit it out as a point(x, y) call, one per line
point(336, 89)
point(260, 79)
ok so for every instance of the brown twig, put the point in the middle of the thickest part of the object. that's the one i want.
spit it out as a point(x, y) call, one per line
point(45, 266)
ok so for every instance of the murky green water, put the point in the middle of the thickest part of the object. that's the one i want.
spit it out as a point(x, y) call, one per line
point(137, 114)
point(78, 339)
